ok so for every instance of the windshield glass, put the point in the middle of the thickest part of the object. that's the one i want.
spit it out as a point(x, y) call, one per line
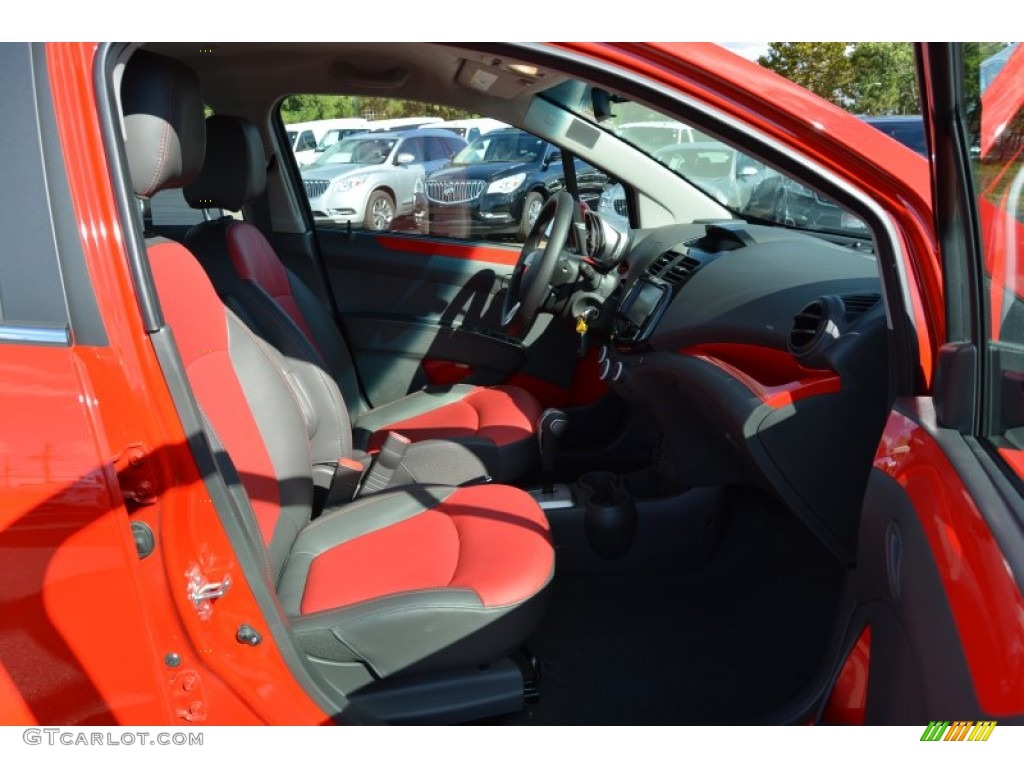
point(357, 151)
point(747, 187)
point(501, 147)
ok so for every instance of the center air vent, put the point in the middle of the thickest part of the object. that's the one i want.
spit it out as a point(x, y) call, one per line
point(673, 267)
point(808, 327)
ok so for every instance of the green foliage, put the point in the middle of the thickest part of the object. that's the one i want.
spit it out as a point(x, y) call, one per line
point(304, 106)
point(867, 78)
point(884, 79)
point(822, 68)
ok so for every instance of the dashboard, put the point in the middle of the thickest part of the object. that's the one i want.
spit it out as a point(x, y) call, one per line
point(760, 354)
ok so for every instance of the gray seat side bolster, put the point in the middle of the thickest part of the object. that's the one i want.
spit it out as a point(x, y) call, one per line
point(279, 419)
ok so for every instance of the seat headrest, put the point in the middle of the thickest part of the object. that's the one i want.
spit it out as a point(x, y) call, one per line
point(235, 170)
point(163, 121)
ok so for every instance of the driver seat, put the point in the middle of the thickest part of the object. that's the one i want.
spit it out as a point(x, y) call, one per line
point(498, 423)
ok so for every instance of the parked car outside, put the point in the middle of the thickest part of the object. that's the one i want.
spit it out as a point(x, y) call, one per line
point(497, 185)
point(726, 174)
point(471, 128)
point(369, 178)
point(309, 139)
point(781, 199)
point(651, 134)
point(906, 129)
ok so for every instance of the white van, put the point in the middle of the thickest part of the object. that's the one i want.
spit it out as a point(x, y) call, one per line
point(471, 128)
point(310, 138)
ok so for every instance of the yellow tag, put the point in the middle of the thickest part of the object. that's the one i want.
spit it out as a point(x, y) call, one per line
point(581, 325)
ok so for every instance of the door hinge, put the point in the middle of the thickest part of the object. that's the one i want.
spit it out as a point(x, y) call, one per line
point(135, 475)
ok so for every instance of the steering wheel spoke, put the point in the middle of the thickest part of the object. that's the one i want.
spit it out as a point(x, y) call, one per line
point(531, 277)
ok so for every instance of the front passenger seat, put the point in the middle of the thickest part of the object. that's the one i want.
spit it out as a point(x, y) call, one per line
point(426, 578)
point(498, 423)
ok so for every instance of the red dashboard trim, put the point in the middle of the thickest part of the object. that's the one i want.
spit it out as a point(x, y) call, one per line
point(773, 375)
point(502, 256)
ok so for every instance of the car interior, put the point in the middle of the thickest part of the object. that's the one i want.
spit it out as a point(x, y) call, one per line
point(612, 475)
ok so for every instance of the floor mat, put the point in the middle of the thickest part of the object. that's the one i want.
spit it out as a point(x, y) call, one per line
point(737, 638)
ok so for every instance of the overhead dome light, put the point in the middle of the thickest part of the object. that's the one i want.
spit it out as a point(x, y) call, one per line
point(524, 69)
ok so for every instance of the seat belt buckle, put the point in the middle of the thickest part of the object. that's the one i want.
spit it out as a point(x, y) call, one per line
point(345, 482)
point(385, 463)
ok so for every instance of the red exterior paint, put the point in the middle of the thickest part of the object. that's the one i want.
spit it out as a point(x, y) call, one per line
point(469, 252)
point(847, 702)
point(986, 604)
point(1001, 101)
point(774, 376)
point(109, 650)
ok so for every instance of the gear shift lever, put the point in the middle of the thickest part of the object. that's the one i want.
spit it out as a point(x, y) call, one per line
point(550, 428)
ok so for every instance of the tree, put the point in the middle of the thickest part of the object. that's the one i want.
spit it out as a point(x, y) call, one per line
point(884, 79)
point(822, 68)
point(303, 107)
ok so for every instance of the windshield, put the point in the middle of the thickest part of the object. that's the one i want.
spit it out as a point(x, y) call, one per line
point(358, 151)
point(745, 186)
point(501, 147)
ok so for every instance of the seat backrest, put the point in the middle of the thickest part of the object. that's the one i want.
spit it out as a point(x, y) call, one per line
point(247, 272)
point(239, 387)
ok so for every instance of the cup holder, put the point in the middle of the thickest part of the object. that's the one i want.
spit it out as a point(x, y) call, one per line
point(610, 516)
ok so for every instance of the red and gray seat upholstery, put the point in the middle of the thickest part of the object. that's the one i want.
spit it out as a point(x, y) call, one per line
point(498, 424)
point(425, 577)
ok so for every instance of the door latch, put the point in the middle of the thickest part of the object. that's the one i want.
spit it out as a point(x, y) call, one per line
point(202, 593)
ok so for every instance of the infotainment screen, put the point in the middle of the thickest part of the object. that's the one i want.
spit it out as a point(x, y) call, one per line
point(642, 302)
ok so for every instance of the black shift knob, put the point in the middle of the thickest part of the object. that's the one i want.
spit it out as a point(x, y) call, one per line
point(550, 428)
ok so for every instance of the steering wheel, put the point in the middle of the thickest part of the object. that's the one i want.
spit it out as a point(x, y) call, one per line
point(531, 278)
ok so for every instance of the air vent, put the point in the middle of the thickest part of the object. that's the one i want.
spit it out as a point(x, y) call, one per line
point(674, 268)
point(856, 304)
point(807, 327)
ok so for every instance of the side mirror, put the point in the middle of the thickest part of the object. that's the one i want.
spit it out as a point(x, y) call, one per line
point(405, 158)
point(747, 171)
point(554, 157)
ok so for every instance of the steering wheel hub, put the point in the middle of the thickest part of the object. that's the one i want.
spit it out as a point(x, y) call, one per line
point(531, 278)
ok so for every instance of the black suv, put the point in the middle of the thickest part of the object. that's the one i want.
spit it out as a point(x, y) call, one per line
point(906, 129)
point(497, 185)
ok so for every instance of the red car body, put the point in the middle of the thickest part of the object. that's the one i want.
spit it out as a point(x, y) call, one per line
point(93, 440)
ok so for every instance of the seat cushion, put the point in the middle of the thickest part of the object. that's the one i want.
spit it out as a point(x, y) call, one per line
point(418, 578)
point(497, 423)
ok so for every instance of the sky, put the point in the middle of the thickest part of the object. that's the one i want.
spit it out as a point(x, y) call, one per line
point(747, 50)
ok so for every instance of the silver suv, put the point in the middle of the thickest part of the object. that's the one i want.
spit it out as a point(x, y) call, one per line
point(368, 179)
